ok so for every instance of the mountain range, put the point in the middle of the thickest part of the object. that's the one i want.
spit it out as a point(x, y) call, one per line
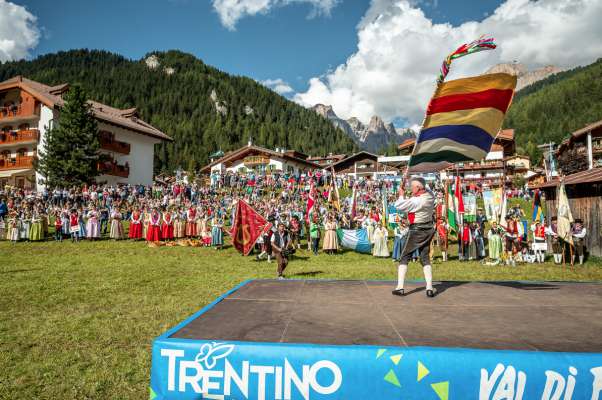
point(376, 137)
point(525, 76)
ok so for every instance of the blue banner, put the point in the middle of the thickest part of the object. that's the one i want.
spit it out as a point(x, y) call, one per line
point(201, 369)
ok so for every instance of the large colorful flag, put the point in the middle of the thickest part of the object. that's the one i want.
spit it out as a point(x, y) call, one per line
point(537, 209)
point(333, 194)
point(462, 120)
point(565, 216)
point(355, 239)
point(248, 226)
point(470, 207)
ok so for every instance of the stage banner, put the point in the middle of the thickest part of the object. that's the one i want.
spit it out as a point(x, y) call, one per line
point(247, 227)
point(470, 207)
point(195, 369)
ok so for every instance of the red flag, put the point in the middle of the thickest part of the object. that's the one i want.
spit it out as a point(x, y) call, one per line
point(458, 194)
point(311, 199)
point(248, 226)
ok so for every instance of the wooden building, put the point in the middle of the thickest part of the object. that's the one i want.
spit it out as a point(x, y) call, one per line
point(363, 164)
point(582, 150)
point(261, 160)
point(584, 190)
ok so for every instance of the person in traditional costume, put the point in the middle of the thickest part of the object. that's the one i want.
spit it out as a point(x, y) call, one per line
point(579, 232)
point(295, 231)
point(116, 230)
point(25, 225)
point(206, 232)
point(2, 228)
point(465, 238)
point(93, 224)
point(179, 224)
point(58, 226)
point(36, 229)
point(552, 232)
point(331, 241)
point(539, 245)
point(65, 222)
point(494, 239)
point(74, 229)
point(135, 231)
point(81, 223)
point(280, 245)
point(217, 234)
point(167, 226)
point(13, 227)
point(191, 222)
point(199, 221)
point(479, 241)
point(420, 208)
point(153, 233)
point(400, 232)
point(512, 240)
point(314, 234)
point(379, 238)
point(441, 237)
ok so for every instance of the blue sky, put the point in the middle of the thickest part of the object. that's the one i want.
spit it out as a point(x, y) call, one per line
point(284, 43)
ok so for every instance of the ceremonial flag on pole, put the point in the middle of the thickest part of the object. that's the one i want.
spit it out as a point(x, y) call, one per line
point(333, 195)
point(458, 201)
point(311, 200)
point(464, 115)
point(248, 226)
point(353, 204)
point(537, 210)
point(504, 210)
point(385, 207)
point(451, 209)
point(565, 216)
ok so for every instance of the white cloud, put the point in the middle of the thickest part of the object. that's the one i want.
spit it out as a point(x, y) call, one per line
point(18, 31)
point(278, 85)
point(400, 50)
point(231, 11)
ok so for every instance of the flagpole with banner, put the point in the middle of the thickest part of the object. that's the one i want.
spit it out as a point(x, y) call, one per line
point(463, 116)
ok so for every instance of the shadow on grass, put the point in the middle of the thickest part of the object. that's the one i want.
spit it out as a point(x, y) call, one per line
point(307, 273)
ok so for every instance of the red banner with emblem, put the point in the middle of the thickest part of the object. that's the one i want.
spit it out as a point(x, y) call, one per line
point(248, 226)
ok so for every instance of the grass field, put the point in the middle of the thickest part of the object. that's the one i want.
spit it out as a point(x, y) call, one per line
point(77, 320)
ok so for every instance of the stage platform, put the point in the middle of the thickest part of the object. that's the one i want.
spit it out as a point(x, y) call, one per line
point(309, 339)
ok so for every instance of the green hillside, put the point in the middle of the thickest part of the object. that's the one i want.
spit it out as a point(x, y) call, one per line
point(180, 104)
point(551, 109)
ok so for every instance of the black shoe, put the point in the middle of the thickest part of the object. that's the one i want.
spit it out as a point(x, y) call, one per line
point(430, 293)
point(397, 292)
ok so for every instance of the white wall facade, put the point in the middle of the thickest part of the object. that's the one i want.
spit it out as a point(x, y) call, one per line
point(274, 164)
point(44, 124)
point(140, 159)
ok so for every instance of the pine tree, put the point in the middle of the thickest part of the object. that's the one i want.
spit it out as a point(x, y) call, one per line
point(70, 156)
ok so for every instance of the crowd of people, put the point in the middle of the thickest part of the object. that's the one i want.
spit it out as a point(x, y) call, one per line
point(202, 213)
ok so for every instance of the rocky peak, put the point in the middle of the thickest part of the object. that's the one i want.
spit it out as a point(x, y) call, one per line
point(325, 111)
point(525, 77)
point(376, 124)
point(355, 124)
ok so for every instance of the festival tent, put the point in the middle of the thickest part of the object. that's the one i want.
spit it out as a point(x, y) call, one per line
point(355, 239)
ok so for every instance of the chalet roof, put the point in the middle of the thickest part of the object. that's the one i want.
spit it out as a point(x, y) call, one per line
point(328, 157)
point(505, 134)
point(50, 96)
point(408, 143)
point(243, 151)
point(588, 176)
point(577, 134)
point(356, 156)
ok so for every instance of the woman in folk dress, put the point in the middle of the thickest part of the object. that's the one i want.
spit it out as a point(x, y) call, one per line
point(331, 241)
point(145, 222)
point(199, 221)
point(13, 227)
point(93, 225)
point(136, 225)
point(36, 229)
point(153, 233)
point(494, 239)
point(379, 239)
point(179, 224)
point(24, 226)
point(167, 226)
point(116, 231)
point(217, 235)
point(191, 222)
